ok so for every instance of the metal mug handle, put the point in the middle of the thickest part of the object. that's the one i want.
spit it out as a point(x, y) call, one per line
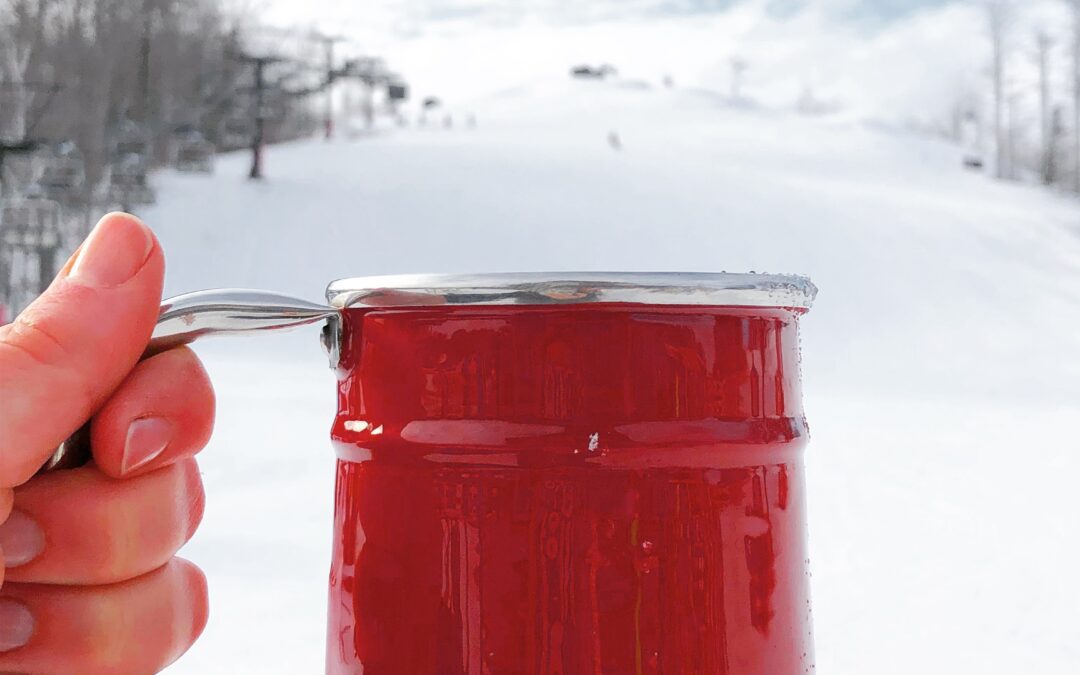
point(186, 318)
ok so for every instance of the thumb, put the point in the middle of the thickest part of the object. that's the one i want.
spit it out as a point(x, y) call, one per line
point(69, 350)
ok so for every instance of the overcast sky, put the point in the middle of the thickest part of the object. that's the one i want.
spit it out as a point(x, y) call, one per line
point(886, 58)
point(401, 13)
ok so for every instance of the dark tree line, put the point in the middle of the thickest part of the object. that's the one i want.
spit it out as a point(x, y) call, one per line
point(86, 70)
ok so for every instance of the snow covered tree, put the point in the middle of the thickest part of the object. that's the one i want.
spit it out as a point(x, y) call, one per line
point(999, 14)
point(1047, 163)
point(1075, 6)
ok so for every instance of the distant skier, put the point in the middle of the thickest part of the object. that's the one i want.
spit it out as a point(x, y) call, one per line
point(971, 141)
point(614, 141)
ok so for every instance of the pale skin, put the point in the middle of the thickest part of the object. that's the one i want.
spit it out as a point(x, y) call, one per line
point(89, 581)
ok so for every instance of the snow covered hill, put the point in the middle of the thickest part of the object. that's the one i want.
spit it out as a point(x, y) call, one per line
point(942, 360)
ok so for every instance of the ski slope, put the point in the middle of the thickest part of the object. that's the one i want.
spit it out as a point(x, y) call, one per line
point(941, 361)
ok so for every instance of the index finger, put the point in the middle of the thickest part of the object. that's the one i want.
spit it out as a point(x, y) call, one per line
point(162, 412)
point(69, 350)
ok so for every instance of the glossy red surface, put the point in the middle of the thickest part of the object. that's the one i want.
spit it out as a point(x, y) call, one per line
point(600, 489)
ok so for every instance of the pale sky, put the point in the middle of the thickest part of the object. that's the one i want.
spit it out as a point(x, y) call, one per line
point(883, 58)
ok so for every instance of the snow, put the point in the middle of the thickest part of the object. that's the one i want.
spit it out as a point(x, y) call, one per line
point(941, 361)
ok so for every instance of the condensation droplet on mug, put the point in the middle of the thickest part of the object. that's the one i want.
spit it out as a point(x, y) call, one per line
point(647, 547)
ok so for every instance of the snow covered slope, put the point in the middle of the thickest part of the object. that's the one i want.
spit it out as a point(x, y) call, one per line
point(942, 360)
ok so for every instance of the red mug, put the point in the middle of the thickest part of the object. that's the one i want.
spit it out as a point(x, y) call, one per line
point(557, 474)
point(570, 474)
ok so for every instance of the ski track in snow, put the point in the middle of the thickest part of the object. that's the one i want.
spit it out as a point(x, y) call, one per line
point(941, 361)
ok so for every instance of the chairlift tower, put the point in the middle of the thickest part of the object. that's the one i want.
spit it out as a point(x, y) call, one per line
point(328, 42)
point(259, 110)
point(372, 73)
point(396, 92)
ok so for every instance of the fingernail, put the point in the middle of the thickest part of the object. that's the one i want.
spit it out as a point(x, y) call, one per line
point(16, 624)
point(116, 249)
point(21, 539)
point(147, 437)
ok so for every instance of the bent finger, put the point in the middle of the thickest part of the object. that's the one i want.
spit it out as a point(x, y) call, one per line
point(161, 413)
point(7, 497)
point(99, 529)
point(135, 627)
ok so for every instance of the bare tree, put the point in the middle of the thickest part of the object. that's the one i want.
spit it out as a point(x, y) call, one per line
point(999, 13)
point(22, 37)
point(1075, 5)
point(164, 64)
point(14, 59)
point(1014, 129)
point(1047, 148)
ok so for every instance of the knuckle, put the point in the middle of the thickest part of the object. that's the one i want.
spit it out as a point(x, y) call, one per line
point(124, 554)
point(35, 344)
point(40, 330)
point(190, 371)
point(128, 634)
point(32, 337)
point(145, 525)
point(105, 644)
point(180, 373)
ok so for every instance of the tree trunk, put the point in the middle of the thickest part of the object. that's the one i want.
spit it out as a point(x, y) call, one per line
point(1076, 94)
point(1046, 155)
point(997, 10)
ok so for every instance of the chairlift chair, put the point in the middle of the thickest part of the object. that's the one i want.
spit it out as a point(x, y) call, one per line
point(18, 172)
point(132, 146)
point(129, 185)
point(195, 156)
point(235, 133)
point(131, 139)
point(193, 153)
point(63, 173)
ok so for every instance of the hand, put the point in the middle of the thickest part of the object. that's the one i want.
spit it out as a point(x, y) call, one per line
point(91, 582)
